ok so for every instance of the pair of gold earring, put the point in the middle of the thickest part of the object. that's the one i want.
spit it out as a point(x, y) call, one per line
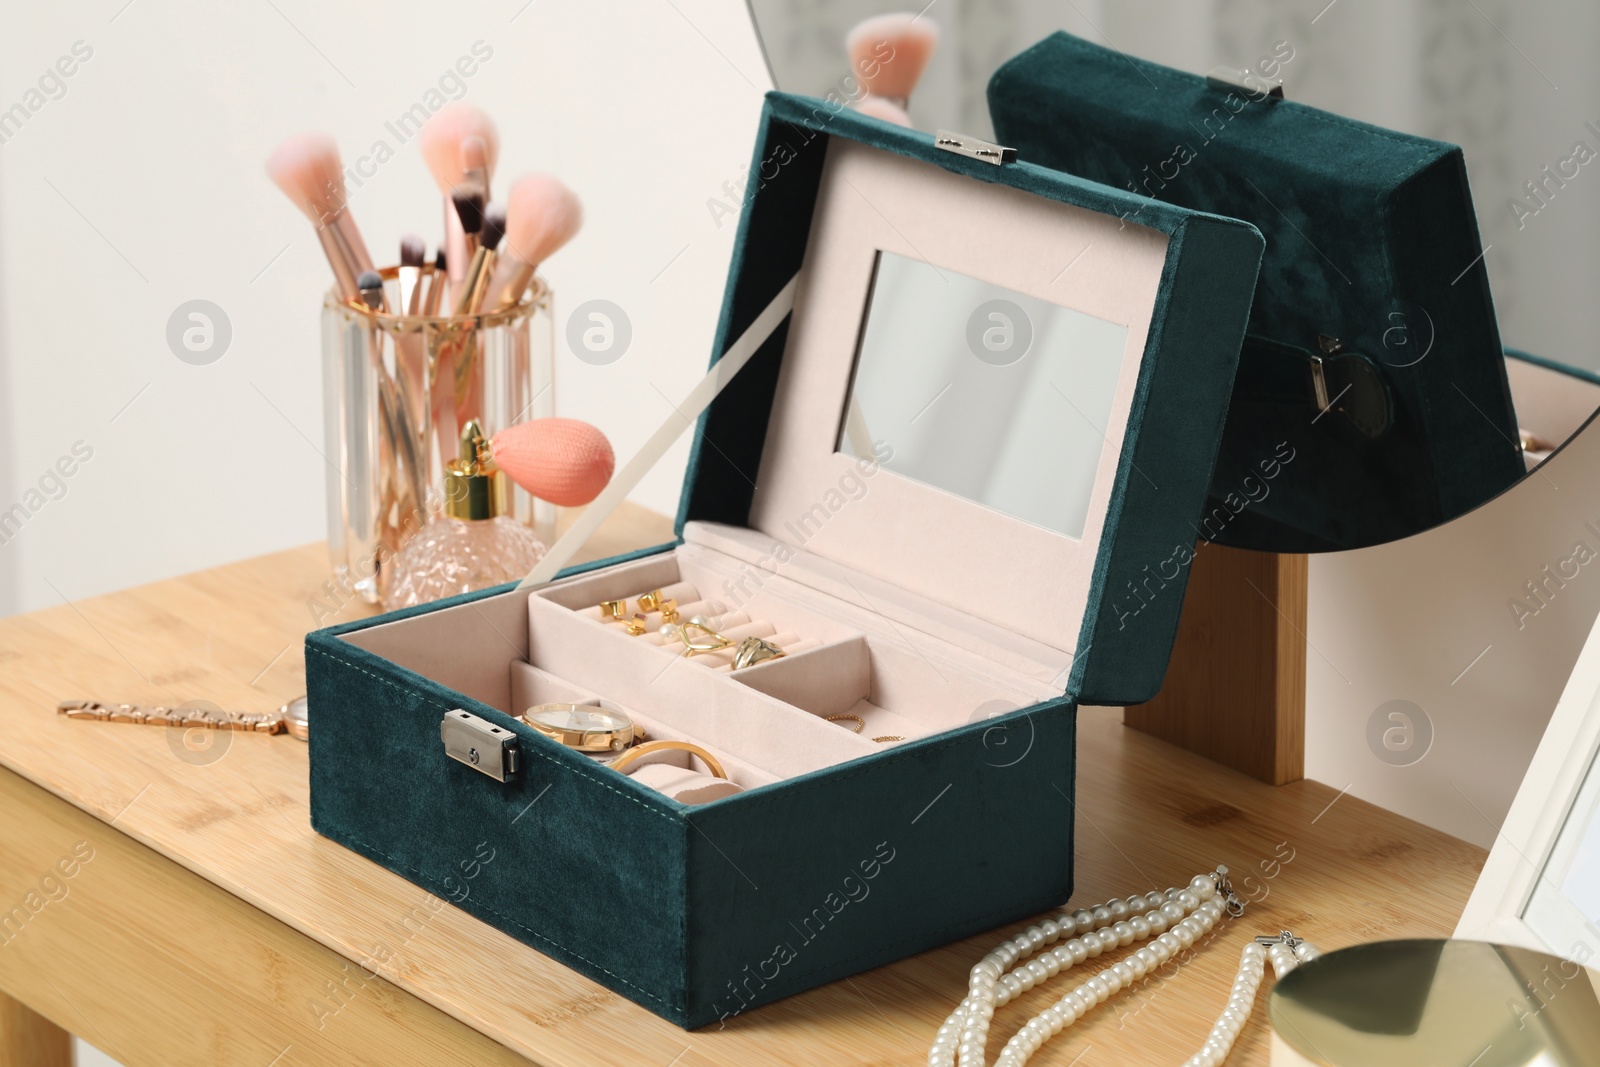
point(649, 603)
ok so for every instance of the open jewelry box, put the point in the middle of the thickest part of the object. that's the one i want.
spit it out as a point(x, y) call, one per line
point(957, 484)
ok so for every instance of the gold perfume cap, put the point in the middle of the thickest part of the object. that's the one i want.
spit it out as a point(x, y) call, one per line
point(474, 488)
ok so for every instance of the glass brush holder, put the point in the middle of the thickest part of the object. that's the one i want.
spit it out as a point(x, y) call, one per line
point(398, 390)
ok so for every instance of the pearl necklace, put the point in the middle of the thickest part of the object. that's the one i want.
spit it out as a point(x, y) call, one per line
point(1176, 918)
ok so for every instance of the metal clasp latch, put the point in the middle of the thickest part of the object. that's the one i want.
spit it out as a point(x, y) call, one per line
point(1329, 346)
point(1282, 937)
point(1232, 903)
point(480, 744)
point(975, 147)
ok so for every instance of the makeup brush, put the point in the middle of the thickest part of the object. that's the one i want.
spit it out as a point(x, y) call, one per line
point(468, 205)
point(412, 254)
point(564, 461)
point(541, 216)
point(369, 283)
point(394, 400)
point(492, 227)
point(307, 168)
point(475, 164)
point(409, 346)
point(445, 142)
point(889, 53)
point(494, 221)
point(468, 367)
point(436, 285)
point(440, 344)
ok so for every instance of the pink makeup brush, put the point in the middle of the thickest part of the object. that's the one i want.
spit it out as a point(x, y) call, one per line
point(564, 461)
point(461, 146)
point(307, 168)
point(889, 53)
point(541, 216)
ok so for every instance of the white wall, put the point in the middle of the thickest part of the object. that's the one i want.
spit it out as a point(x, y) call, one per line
point(142, 187)
point(1513, 84)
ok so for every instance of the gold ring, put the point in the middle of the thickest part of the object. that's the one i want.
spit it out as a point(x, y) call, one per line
point(650, 601)
point(633, 754)
point(613, 610)
point(753, 650)
point(860, 723)
point(691, 647)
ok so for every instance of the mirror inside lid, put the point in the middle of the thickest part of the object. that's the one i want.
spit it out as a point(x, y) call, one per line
point(992, 393)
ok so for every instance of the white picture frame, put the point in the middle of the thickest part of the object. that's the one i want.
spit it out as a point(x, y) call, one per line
point(1540, 888)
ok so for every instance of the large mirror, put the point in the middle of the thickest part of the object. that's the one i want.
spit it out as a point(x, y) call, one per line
point(995, 396)
point(1450, 74)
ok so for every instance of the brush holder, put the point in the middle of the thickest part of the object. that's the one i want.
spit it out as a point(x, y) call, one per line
point(396, 390)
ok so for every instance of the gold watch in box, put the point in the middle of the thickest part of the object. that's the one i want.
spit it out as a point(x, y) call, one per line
point(585, 727)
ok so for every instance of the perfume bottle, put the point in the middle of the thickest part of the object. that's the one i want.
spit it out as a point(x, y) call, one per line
point(474, 544)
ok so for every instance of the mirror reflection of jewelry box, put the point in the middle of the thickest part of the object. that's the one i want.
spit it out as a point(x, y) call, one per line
point(965, 467)
point(1372, 344)
point(1541, 885)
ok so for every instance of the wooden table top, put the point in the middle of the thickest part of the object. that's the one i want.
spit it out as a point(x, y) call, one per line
point(1335, 869)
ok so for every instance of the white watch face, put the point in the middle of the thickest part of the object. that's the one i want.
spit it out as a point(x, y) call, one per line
point(581, 717)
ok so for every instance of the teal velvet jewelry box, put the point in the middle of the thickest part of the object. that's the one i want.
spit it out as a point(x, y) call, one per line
point(1372, 344)
point(955, 484)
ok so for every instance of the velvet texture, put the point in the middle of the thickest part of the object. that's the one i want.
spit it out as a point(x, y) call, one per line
point(1370, 238)
point(699, 913)
point(1175, 422)
point(696, 914)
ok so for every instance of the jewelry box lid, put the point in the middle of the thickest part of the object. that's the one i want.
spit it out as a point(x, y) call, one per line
point(1372, 343)
point(993, 391)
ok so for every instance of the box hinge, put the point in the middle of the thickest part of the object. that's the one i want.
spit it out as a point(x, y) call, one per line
point(976, 147)
point(480, 744)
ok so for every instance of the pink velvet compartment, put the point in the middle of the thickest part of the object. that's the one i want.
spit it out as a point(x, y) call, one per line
point(871, 652)
point(1550, 404)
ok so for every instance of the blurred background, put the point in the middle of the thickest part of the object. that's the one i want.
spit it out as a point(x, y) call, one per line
point(1513, 84)
point(134, 185)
